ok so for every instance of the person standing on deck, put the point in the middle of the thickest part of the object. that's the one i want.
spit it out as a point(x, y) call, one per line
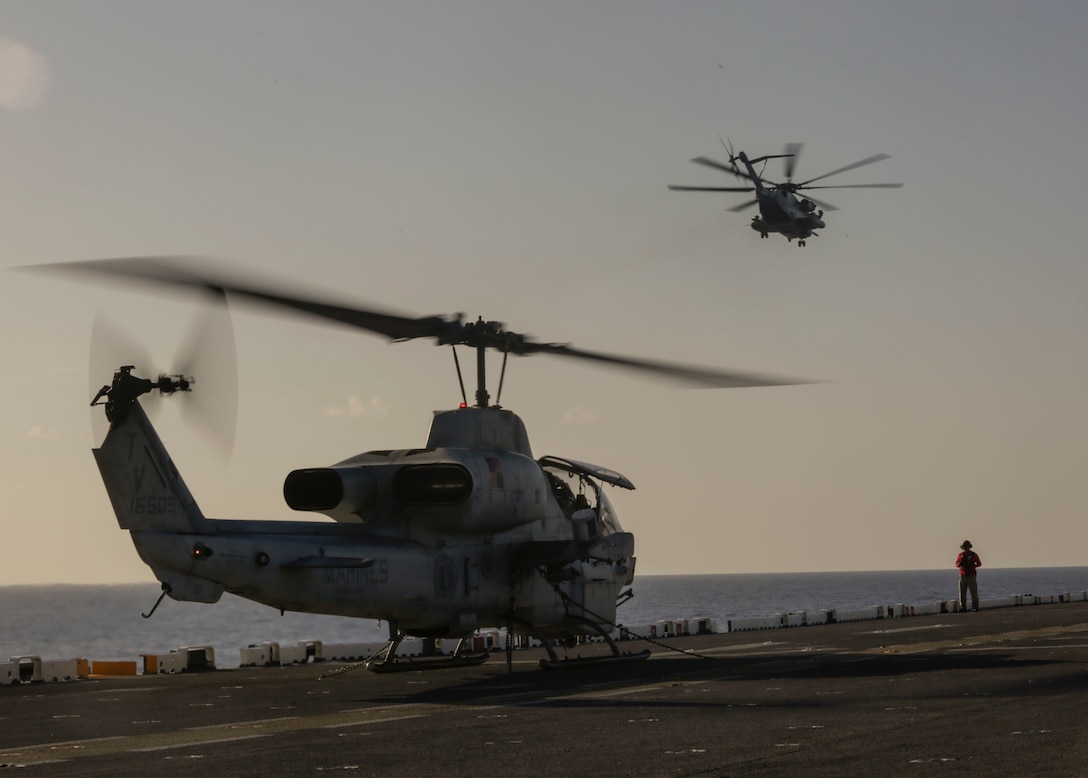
point(968, 562)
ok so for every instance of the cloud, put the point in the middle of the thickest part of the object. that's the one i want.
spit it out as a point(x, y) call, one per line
point(580, 414)
point(42, 433)
point(356, 407)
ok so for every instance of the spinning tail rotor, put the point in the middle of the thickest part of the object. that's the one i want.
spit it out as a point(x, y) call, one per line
point(207, 351)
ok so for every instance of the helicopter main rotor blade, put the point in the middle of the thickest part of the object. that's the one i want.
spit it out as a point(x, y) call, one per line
point(825, 205)
point(730, 169)
point(180, 272)
point(791, 152)
point(851, 186)
point(743, 206)
point(172, 271)
point(690, 374)
point(676, 188)
point(859, 163)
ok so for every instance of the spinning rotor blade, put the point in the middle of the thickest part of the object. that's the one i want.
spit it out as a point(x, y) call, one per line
point(730, 169)
point(825, 205)
point(183, 272)
point(714, 379)
point(744, 206)
point(851, 186)
point(208, 355)
point(860, 163)
point(791, 152)
point(675, 188)
point(446, 331)
point(110, 348)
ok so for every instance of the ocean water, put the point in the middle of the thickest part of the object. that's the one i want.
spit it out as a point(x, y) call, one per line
point(104, 622)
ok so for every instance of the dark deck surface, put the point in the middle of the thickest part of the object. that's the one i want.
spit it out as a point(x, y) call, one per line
point(1001, 692)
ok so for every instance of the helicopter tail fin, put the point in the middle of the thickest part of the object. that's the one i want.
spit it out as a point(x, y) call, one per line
point(144, 486)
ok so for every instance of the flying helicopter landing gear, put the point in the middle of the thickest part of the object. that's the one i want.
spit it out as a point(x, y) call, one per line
point(387, 661)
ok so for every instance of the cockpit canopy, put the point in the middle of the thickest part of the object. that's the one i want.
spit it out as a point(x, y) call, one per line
point(575, 488)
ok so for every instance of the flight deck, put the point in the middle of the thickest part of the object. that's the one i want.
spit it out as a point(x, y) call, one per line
point(998, 692)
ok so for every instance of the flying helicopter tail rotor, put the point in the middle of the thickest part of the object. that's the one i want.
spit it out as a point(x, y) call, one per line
point(728, 146)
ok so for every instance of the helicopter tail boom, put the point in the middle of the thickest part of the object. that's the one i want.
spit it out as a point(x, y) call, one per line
point(144, 486)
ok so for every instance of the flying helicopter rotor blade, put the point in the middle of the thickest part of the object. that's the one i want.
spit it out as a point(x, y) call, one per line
point(731, 170)
point(859, 163)
point(791, 152)
point(851, 186)
point(743, 206)
point(676, 188)
point(823, 204)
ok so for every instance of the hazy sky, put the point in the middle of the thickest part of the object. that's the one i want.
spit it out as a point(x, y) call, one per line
point(510, 160)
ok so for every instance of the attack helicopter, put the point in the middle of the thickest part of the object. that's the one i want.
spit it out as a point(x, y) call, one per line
point(469, 530)
point(781, 210)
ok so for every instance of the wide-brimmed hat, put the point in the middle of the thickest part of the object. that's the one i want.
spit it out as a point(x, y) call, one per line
point(965, 545)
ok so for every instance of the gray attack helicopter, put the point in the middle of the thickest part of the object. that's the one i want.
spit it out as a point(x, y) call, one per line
point(781, 210)
point(469, 530)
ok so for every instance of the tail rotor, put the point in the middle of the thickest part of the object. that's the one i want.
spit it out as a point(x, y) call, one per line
point(204, 371)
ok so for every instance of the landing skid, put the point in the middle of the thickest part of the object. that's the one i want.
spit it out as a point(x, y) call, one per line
point(589, 661)
point(405, 664)
point(387, 661)
point(553, 662)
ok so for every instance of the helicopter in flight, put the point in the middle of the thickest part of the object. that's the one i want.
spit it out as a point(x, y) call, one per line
point(781, 208)
point(467, 531)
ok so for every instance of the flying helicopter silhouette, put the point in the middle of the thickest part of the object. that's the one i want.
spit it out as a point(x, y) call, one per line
point(467, 531)
point(781, 208)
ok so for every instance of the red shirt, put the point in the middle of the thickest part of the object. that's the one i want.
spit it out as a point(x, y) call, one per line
point(967, 562)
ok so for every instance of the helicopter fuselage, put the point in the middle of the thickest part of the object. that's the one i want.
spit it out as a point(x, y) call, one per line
point(783, 212)
point(780, 210)
point(467, 532)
